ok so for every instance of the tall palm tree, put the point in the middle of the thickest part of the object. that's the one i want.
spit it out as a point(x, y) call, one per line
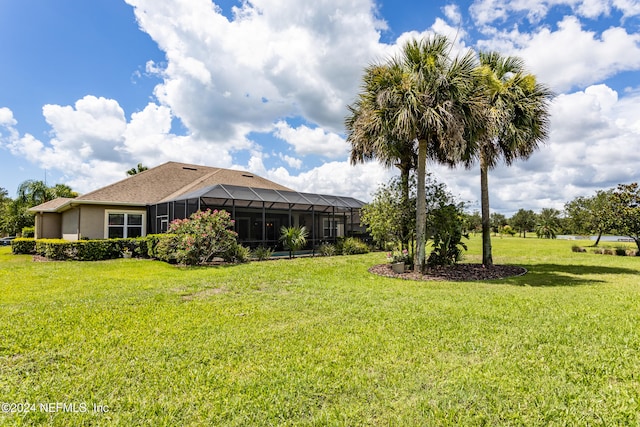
point(421, 98)
point(33, 192)
point(370, 135)
point(438, 108)
point(516, 121)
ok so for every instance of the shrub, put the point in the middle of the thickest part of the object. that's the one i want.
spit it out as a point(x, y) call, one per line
point(447, 236)
point(576, 248)
point(621, 251)
point(353, 246)
point(204, 235)
point(28, 231)
point(237, 254)
point(23, 245)
point(262, 253)
point(327, 249)
point(293, 238)
point(163, 247)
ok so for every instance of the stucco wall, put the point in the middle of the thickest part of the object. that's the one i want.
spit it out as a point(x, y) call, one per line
point(70, 224)
point(48, 225)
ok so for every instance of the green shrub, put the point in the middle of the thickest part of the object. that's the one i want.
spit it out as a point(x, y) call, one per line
point(237, 254)
point(576, 248)
point(621, 251)
point(54, 249)
point(327, 249)
point(28, 232)
point(447, 234)
point(262, 253)
point(23, 245)
point(353, 246)
point(163, 247)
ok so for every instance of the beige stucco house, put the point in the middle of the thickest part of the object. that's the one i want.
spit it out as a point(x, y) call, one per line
point(147, 202)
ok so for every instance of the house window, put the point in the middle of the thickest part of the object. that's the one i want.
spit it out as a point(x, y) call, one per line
point(124, 224)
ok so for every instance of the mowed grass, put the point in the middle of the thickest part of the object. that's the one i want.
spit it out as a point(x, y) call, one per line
point(316, 342)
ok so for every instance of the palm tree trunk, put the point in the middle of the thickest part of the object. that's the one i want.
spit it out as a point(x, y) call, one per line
point(421, 208)
point(405, 170)
point(487, 259)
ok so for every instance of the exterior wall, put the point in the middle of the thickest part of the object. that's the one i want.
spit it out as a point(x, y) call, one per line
point(70, 226)
point(88, 221)
point(48, 226)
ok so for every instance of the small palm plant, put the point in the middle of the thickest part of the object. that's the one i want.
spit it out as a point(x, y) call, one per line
point(293, 238)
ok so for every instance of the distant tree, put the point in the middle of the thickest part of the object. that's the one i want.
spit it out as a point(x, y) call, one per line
point(473, 222)
point(626, 211)
point(62, 190)
point(586, 215)
point(497, 222)
point(523, 221)
point(137, 170)
point(548, 223)
point(33, 192)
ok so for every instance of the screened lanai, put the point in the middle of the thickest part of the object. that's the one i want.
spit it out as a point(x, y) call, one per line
point(259, 213)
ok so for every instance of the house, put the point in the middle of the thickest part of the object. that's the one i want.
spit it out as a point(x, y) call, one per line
point(147, 202)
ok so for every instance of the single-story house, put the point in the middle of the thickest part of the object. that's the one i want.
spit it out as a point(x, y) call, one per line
point(147, 202)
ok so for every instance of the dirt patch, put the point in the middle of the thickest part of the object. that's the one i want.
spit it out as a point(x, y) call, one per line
point(204, 294)
point(454, 273)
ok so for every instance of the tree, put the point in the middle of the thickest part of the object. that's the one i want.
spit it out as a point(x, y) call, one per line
point(137, 170)
point(626, 211)
point(33, 192)
point(516, 120)
point(497, 221)
point(370, 134)
point(590, 214)
point(548, 223)
point(293, 238)
point(425, 100)
point(523, 221)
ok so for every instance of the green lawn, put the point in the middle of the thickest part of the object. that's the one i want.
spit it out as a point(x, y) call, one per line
point(321, 342)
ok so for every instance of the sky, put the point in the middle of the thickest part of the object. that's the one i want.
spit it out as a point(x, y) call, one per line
point(89, 89)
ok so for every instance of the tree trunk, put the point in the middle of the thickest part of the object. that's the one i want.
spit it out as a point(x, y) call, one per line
point(598, 239)
point(405, 171)
point(421, 208)
point(487, 259)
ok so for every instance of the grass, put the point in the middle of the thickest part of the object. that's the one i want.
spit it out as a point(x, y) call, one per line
point(322, 342)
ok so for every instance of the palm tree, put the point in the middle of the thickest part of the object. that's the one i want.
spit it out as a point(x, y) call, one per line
point(438, 108)
point(293, 238)
point(516, 122)
point(548, 223)
point(369, 134)
point(32, 193)
point(137, 170)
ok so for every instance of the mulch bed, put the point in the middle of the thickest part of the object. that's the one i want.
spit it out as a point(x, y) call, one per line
point(454, 273)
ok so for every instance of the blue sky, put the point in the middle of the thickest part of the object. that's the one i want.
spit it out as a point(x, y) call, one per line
point(88, 89)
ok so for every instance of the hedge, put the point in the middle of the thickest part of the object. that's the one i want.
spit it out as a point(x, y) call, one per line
point(80, 250)
point(23, 245)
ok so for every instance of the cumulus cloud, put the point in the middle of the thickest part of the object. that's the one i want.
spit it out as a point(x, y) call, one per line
point(571, 62)
point(305, 140)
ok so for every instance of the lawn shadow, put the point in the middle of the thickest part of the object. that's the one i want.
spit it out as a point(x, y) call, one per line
point(563, 275)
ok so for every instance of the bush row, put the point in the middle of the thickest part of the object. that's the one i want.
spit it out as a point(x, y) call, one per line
point(619, 250)
point(344, 246)
point(81, 250)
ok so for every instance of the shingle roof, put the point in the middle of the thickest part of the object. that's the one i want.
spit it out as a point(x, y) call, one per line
point(51, 205)
point(170, 180)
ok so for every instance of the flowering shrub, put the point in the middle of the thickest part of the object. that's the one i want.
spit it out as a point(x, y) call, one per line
point(202, 236)
point(399, 256)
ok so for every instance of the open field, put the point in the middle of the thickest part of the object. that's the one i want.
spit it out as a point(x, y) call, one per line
point(321, 342)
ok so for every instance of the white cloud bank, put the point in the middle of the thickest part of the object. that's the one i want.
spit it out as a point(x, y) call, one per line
point(279, 62)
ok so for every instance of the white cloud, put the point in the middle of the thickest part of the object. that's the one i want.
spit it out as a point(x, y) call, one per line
point(312, 141)
point(291, 161)
point(578, 57)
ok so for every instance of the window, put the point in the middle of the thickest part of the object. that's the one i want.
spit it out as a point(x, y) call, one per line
point(124, 224)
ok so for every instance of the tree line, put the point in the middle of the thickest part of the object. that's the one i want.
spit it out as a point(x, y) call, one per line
point(14, 215)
